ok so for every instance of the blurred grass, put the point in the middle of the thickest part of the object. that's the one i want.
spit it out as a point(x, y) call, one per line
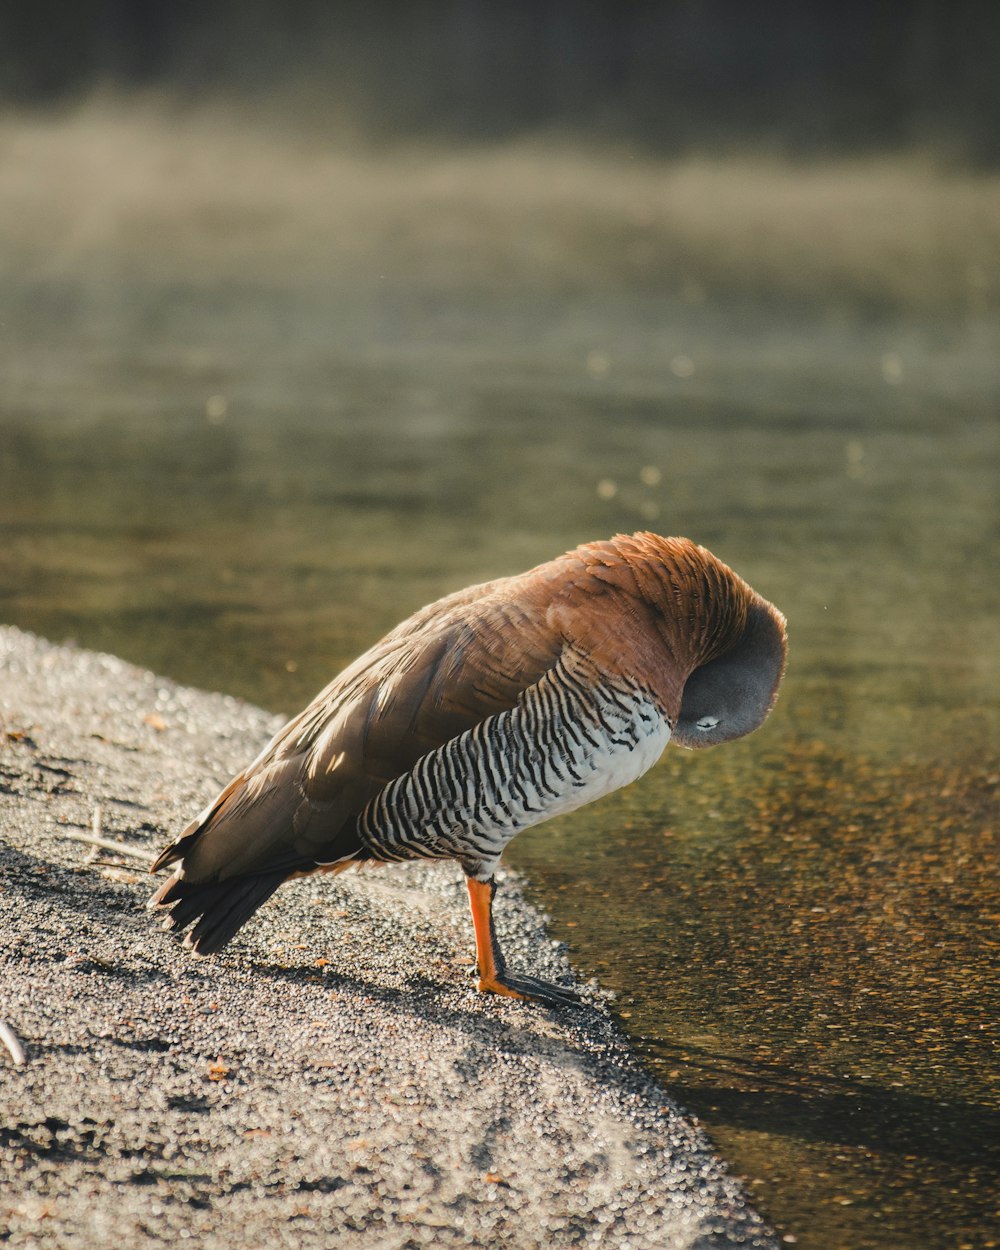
point(180, 192)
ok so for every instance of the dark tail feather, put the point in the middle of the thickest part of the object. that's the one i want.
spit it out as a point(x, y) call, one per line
point(219, 907)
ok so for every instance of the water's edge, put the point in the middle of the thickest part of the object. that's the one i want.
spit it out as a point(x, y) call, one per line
point(96, 994)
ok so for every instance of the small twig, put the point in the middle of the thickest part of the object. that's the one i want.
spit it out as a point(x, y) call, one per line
point(10, 1040)
point(122, 848)
point(96, 829)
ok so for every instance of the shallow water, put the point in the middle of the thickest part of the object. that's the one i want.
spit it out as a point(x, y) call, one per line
point(241, 481)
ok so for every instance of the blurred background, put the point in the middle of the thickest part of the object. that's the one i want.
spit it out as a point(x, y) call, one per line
point(804, 78)
point(312, 313)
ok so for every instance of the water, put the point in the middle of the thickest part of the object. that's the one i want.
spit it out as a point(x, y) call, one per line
point(239, 442)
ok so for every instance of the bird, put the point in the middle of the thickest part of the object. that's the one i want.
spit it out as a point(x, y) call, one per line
point(488, 711)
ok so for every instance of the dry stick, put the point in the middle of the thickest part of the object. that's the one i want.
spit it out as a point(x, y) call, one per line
point(139, 852)
point(10, 1040)
point(97, 829)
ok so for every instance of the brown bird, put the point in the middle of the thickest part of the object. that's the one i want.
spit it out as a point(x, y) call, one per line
point(483, 714)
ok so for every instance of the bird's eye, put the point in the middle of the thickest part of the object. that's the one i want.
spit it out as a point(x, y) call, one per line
point(706, 723)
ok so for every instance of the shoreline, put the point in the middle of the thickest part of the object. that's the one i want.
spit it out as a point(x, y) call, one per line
point(332, 1077)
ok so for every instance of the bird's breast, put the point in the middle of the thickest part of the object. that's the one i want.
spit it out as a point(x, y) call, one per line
point(571, 739)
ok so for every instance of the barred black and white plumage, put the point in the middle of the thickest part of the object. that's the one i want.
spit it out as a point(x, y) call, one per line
point(564, 744)
point(487, 712)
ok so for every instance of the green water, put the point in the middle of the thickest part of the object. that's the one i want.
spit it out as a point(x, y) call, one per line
point(241, 478)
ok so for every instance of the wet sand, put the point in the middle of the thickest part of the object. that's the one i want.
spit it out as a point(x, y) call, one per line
point(333, 1078)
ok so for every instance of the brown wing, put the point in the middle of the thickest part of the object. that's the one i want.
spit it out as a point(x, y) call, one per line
point(435, 676)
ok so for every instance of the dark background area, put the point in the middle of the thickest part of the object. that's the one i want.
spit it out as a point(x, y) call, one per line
point(800, 78)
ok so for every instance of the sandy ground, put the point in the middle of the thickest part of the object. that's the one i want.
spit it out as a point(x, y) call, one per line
point(331, 1080)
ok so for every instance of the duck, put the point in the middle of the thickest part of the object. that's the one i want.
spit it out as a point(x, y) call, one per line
point(486, 712)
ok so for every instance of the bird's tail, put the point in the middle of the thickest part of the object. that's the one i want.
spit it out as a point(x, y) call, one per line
point(217, 908)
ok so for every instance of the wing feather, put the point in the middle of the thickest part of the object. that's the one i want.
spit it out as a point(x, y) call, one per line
point(434, 677)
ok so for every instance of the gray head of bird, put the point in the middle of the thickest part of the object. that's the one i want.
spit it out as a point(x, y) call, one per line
point(731, 695)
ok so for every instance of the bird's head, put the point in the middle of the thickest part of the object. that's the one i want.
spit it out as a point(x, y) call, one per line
point(731, 695)
point(718, 652)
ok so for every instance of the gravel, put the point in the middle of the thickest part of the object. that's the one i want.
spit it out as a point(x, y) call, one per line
point(332, 1079)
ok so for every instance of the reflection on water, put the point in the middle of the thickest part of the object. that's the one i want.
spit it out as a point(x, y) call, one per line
point(805, 942)
point(242, 480)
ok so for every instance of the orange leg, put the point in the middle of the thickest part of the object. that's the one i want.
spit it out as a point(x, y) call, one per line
point(493, 975)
